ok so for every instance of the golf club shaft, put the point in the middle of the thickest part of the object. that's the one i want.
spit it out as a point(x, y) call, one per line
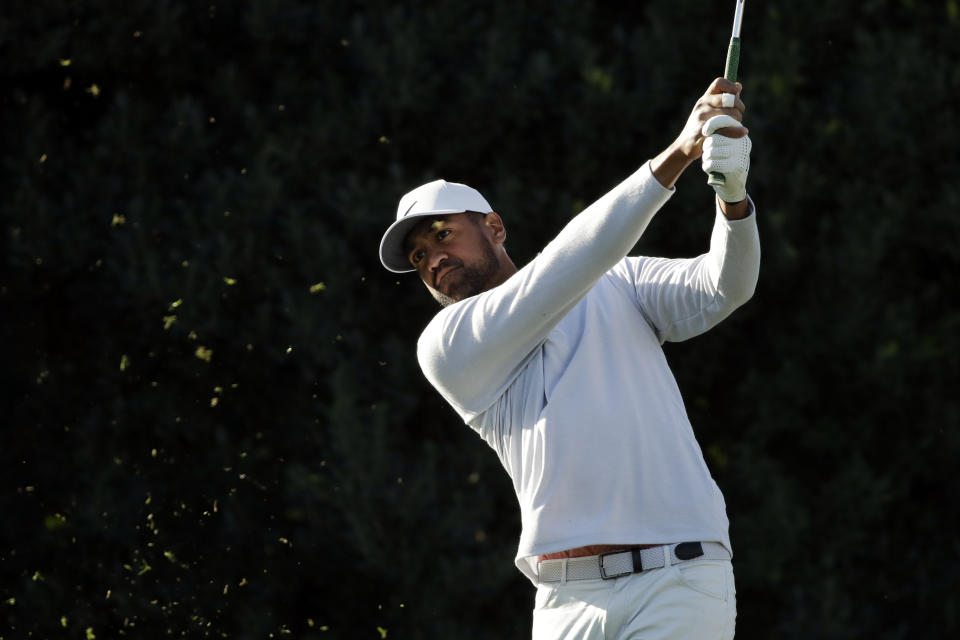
point(730, 73)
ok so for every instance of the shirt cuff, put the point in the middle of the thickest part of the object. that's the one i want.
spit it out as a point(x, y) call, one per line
point(647, 171)
point(751, 210)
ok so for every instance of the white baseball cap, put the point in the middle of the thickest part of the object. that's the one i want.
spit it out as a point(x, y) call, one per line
point(432, 199)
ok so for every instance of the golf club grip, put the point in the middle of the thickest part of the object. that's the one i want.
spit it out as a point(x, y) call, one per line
point(730, 73)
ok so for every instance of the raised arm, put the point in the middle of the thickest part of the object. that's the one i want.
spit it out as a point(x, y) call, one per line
point(473, 349)
point(682, 298)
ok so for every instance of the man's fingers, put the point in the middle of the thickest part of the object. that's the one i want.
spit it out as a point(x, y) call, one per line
point(722, 85)
point(722, 122)
point(723, 98)
point(727, 101)
point(731, 132)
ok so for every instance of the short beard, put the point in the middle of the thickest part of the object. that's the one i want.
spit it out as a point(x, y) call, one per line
point(472, 280)
point(444, 300)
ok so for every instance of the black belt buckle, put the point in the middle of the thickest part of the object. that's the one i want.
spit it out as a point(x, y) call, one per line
point(634, 554)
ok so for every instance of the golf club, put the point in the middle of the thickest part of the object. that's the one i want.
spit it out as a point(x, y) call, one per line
point(730, 73)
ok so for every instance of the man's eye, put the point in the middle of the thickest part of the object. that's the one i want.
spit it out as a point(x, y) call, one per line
point(416, 257)
point(443, 233)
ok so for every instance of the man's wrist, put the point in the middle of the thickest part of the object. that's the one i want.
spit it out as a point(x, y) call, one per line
point(734, 210)
point(668, 166)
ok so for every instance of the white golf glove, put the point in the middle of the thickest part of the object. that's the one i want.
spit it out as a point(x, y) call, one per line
point(729, 156)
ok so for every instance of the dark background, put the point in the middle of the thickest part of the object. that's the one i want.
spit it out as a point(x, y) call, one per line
point(214, 425)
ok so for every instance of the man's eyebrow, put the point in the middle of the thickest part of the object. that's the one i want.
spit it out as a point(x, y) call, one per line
point(418, 231)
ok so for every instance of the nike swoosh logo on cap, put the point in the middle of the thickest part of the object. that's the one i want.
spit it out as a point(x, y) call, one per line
point(408, 210)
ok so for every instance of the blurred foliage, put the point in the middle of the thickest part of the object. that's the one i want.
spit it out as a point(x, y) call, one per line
point(215, 425)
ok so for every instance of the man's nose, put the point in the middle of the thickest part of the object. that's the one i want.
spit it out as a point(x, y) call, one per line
point(436, 259)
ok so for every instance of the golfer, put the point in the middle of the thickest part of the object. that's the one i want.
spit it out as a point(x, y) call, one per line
point(558, 366)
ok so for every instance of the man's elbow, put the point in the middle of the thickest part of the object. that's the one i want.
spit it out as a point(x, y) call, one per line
point(745, 284)
point(742, 291)
point(748, 292)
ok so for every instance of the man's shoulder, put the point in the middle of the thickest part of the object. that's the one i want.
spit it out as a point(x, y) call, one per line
point(627, 271)
point(445, 322)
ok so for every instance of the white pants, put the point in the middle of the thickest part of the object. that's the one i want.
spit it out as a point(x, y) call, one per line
point(693, 600)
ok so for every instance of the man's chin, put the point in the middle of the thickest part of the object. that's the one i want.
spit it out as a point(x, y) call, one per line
point(461, 283)
point(442, 298)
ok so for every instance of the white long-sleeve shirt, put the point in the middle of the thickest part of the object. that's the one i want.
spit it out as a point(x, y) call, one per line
point(560, 370)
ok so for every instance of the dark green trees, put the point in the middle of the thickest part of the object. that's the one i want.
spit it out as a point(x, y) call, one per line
point(215, 425)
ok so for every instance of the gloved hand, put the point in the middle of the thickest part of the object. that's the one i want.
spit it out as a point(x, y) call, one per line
point(729, 156)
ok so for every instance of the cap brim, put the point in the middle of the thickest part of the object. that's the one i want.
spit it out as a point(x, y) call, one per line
point(392, 254)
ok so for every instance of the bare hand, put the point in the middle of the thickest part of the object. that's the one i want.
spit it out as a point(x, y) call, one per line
point(710, 104)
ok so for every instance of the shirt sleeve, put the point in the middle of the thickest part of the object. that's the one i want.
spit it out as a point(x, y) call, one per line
point(682, 298)
point(472, 350)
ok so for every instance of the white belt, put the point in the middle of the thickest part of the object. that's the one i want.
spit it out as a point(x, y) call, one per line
point(615, 564)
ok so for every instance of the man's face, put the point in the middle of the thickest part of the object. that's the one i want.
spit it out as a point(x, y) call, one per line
point(454, 256)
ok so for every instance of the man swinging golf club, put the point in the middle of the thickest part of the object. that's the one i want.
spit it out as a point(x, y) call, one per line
point(558, 367)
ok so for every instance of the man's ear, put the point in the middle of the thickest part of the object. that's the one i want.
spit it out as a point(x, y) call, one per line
point(493, 222)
